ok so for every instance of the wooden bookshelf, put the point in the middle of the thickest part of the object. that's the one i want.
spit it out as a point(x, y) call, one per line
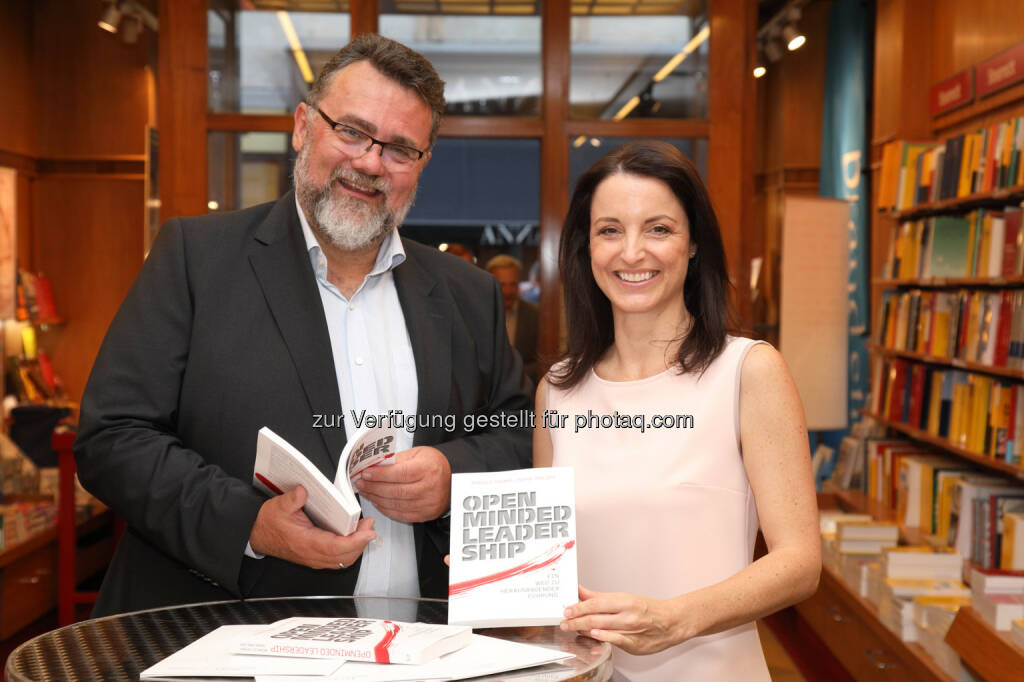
point(925, 437)
point(948, 362)
point(1009, 282)
point(991, 653)
point(1006, 195)
point(29, 569)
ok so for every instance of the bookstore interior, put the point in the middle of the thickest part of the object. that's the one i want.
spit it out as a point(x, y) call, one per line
point(864, 158)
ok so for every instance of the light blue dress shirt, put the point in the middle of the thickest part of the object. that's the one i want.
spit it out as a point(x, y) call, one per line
point(376, 373)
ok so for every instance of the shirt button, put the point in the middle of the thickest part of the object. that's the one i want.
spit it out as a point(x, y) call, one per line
point(351, 306)
point(359, 360)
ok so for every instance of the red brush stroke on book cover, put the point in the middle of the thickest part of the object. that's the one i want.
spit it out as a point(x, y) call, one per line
point(266, 481)
point(380, 650)
point(546, 559)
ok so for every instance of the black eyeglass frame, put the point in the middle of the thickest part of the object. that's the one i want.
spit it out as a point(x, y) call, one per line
point(373, 140)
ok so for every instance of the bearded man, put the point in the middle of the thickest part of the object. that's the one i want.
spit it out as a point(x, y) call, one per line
point(284, 314)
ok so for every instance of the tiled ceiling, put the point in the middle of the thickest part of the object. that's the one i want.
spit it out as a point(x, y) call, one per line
point(499, 7)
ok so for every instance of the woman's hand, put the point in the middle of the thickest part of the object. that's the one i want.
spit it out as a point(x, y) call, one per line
point(634, 623)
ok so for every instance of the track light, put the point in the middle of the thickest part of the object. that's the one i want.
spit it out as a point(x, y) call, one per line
point(773, 51)
point(131, 16)
point(760, 70)
point(111, 17)
point(794, 38)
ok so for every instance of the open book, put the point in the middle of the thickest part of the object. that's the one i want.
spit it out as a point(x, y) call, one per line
point(280, 467)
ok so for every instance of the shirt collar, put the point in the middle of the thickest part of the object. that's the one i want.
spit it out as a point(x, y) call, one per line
point(390, 255)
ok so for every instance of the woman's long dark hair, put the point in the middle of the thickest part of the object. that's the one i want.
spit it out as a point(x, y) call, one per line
point(706, 288)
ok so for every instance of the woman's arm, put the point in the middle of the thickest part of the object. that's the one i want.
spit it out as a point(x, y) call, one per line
point(773, 435)
point(542, 451)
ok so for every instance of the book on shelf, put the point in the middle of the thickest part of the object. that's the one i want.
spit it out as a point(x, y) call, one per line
point(828, 519)
point(998, 610)
point(913, 587)
point(996, 580)
point(280, 467)
point(1012, 553)
point(354, 639)
point(963, 524)
point(513, 547)
point(922, 561)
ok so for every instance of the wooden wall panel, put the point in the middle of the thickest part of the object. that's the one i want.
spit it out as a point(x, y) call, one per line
point(730, 140)
point(92, 86)
point(966, 33)
point(17, 128)
point(89, 230)
point(181, 108)
point(903, 41)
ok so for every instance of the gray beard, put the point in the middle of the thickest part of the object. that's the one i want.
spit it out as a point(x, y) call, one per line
point(347, 222)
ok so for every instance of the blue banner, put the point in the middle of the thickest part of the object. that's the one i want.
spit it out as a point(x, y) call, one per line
point(844, 173)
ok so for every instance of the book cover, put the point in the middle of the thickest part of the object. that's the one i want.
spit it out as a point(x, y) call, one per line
point(355, 639)
point(513, 547)
point(280, 467)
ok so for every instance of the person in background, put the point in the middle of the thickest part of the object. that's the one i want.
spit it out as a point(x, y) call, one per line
point(301, 315)
point(521, 317)
point(462, 252)
point(669, 504)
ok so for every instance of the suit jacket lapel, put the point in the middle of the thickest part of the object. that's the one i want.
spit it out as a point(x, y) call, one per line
point(282, 266)
point(428, 318)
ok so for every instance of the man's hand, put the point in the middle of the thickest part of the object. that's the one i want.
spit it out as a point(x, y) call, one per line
point(284, 531)
point(417, 487)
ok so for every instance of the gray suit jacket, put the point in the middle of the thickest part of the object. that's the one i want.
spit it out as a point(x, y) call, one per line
point(222, 333)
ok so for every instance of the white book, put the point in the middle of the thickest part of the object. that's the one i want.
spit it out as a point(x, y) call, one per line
point(354, 639)
point(999, 610)
point(280, 467)
point(482, 656)
point(989, 582)
point(513, 547)
point(209, 656)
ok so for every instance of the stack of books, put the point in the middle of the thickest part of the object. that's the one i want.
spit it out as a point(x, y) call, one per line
point(866, 537)
point(998, 596)
point(933, 616)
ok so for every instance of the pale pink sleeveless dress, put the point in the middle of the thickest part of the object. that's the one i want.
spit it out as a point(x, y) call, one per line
point(666, 511)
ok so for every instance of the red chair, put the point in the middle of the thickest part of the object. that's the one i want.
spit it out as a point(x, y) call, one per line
point(68, 596)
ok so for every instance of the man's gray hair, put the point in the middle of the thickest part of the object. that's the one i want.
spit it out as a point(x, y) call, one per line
point(401, 64)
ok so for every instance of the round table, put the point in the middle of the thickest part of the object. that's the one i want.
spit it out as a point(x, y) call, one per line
point(120, 647)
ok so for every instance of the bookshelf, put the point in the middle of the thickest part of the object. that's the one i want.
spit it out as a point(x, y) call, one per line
point(943, 444)
point(956, 363)
point(997, 197)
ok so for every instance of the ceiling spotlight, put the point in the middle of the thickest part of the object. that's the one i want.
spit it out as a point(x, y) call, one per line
point(790, 33)
point(111, 17)
point(759, 70)
point(794, 38)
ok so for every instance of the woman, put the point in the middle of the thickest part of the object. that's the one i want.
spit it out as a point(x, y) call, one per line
point(716, 444)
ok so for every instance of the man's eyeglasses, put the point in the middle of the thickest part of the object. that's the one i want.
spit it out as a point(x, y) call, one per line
point(357, 143)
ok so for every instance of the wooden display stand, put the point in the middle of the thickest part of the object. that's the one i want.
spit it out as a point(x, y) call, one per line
point(50, 564)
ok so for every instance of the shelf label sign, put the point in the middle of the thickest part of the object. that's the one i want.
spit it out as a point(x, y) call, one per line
point(1001, 71)
point(952, 93)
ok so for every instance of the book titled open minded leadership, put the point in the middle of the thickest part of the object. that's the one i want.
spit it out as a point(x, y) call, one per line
point(280, 467)
point(513, 547)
